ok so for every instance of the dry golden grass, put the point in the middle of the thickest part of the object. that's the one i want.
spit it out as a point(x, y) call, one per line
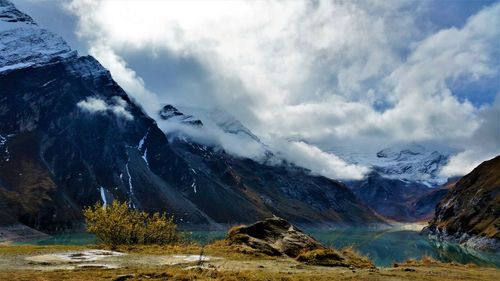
point(452, 273)
point(35, 249)
point(235, 266)
point(330, 257)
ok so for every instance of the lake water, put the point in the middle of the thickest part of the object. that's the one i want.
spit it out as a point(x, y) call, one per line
point(384, 247)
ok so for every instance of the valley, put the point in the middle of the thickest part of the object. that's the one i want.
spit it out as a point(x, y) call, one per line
point(260, 177)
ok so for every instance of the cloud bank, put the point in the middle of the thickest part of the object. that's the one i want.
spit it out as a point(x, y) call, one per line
point(368, 73)
point(117, 107)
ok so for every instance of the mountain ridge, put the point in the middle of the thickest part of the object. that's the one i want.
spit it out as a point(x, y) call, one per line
point(470, 213)
point(72, 137)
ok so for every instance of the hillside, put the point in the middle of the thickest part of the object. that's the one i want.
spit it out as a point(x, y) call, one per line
point(470, 212)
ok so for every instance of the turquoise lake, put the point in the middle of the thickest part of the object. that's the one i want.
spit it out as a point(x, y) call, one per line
point(384, 247)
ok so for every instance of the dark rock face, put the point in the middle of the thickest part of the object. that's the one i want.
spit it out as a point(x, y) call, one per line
point(241, 190)
point(470, 212)
point(74, 153)
point(273, 237)
point(59, 155)
point(70, 136)
point(396, 199)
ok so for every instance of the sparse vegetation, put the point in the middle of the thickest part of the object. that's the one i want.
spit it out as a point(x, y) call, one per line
point(117, 224)
point(231, 266)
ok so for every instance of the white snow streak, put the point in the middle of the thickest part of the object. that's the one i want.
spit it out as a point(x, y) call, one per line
point(131, 189)
point(48, 82)
point(141, 142)
point(103, 197)
point(193, 185)
point(145, 157)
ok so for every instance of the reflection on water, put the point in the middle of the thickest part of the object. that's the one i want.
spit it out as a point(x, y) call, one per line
point(383, 247)
point(387, 247)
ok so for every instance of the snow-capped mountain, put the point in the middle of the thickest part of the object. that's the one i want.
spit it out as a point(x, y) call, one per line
point(170, 113)
point(409, 162)
point(404, 183)
point(23, 43)
point(70, 137)
point(214, 117)
point(413, 163)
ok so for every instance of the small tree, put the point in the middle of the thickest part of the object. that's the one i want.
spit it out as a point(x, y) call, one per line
point(117, 224)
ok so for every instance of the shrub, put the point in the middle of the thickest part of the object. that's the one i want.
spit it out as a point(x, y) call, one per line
point(117, 224)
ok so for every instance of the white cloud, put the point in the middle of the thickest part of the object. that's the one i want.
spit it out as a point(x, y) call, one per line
point(236, 144)
point(315, 71)
point(125, 77)
point(98, 105)
point(318, 161)
point(482, 145)
point(93, 105)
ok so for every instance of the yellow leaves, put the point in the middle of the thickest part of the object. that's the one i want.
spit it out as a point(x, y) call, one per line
point(117, 224)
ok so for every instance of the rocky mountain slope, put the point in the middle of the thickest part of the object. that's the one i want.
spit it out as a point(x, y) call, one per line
point(470, 212)
point(70, 136)
point(397, 199)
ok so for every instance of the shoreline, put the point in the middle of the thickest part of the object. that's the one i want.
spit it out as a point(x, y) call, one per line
point(19, 233)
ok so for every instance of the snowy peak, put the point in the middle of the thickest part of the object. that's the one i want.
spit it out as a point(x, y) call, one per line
point(9, 13)
point(402, 154)
point(24, 44)
point(221, 119)
point(408, 162)
point(211, 118)
point(169, 112)
point(413, 162)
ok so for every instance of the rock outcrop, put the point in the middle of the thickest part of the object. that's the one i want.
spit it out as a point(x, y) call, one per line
point(277, 237)
point(273, 237)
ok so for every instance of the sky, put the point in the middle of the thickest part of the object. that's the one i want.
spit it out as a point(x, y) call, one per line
point(309, 78)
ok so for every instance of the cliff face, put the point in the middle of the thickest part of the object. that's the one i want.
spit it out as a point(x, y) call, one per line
point(70, 137)
point(470, 212)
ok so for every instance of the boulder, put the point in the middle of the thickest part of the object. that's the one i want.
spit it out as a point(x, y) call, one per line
point(277, 237)
point(273, 237)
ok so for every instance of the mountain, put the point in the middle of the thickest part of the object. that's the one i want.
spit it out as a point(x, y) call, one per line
point(407, 162)
point(396, 199)
point(70, 137)
point(470, 212)
point(170, 113)
point(404, 184)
